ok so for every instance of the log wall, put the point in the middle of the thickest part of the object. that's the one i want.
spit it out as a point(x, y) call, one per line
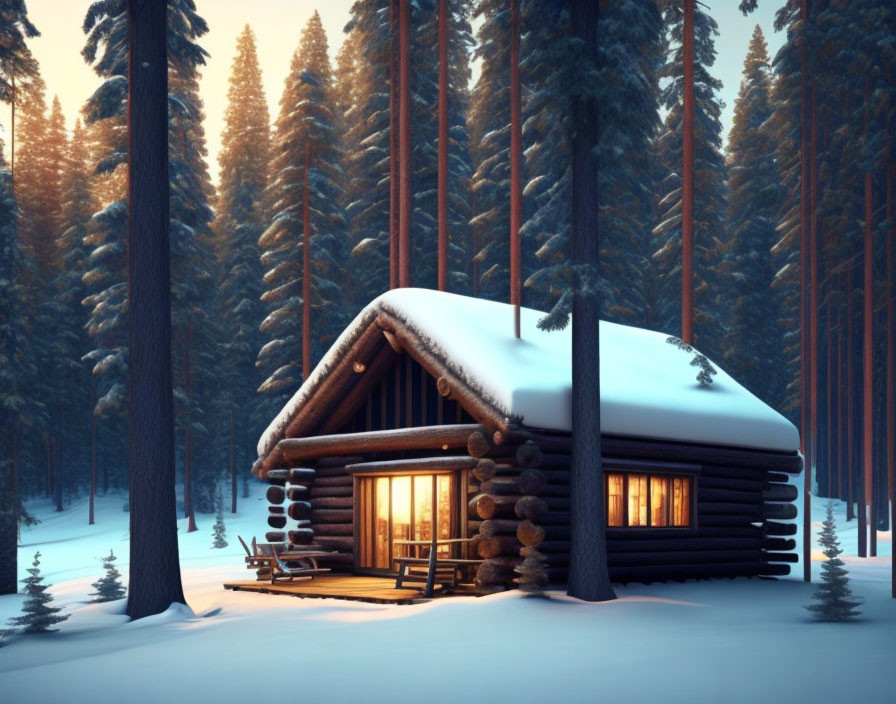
point(518, 496)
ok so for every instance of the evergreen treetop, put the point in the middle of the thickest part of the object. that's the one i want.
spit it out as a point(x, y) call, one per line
point(37, 616)
point(109, 587)
point(835, 599)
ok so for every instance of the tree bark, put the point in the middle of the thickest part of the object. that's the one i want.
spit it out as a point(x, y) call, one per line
point(154, 572)
point(443, 146)
point(687, 180)
point(868, 375)
point(516, 197)
point(891, 370)
point(306, 270)
point(93, 449)
point(188, 434)
point(232, 459)
point(393, 147)
point(404, 146)
point(805, 333)
point(9, 519)
point(850, 403)
point(589, 578)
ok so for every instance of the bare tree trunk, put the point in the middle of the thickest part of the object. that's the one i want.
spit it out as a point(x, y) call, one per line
point(840, 488)
point(891, 372)
point(404, 146)
point(90, 519)
point(516, 198)
point(813, 285)
point(443, 146)
point(850, 404)
point(306, 270)
point(805, 333)
point(474, 267)
point(188, 432)
point(57, 474)
point(687, 180)
point(589, 577)
point(9, 519)
point(154, 572)
point(232, 466)
point(828, 434)
point(393, 147)
point(868, 378)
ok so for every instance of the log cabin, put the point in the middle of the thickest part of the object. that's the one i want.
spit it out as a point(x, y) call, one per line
point(427, 414)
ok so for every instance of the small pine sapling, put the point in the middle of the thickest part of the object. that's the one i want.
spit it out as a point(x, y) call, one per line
point(707, 371)
point(37, 616)
point(533, 576)
point(835, 599)
point(219, 530)
point(108, 587)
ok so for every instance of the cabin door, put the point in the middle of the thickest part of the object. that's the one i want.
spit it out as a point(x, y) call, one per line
point(400, 507)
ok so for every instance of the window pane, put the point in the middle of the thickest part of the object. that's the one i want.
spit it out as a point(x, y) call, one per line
point(615, 507)
point(637, 500)
point(659, 501)
point(401, 513)
point(444, 517)
point(381, 523)
point(681, 502)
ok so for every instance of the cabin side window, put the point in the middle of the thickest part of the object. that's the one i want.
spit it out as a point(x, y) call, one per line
point(640, 500)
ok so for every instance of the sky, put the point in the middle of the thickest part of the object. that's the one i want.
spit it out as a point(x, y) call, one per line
point(278, 25)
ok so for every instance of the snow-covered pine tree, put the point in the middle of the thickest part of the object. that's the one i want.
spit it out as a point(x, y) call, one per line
point(72, 380)
point(17, 370)
point(835, 599)
point(109, 586)
point(533, 576)
point(366, 136)
point(241, 219)
point(219, 530)
point(754, 342)
point(424, 144)
point(630, 50)
point(17, 64)
point(37, 616)
point(308, 118)
point(105, 278)
point(710, 204)
point(489, 126)
point(191, 241)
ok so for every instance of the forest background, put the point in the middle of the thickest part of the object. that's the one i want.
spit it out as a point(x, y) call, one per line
point(792, 227)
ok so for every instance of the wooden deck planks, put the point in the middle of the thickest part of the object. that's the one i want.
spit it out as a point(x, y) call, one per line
point(378, 590)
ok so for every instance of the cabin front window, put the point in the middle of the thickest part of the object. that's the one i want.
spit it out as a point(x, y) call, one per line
point(639, 500)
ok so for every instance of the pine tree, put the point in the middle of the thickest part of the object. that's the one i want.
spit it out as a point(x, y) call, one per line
point(533, 573)
point(709, 184)
point(836, 602)
point(306, 140)
point(629, 53)
point(219, 530)
point(754, 342)
point(37, 616)
point(489, 124)
point(109, 586)
point(241, 216)
point(16, 371)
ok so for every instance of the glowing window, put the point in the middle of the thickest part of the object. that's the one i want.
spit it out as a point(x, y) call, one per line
point(640, 500)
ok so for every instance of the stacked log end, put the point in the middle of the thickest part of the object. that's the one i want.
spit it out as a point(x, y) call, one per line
point(778, 551)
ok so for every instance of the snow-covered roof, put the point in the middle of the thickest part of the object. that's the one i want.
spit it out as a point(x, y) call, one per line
point(648, 387)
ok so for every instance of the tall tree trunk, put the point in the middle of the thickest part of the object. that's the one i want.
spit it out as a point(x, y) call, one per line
point(805, 333)
point(829, 410)
point(50, 475)
point(891, 370)
point(687, 180)
point(91, 516)
point(232, 459)
point(306, 270)
point(154, 574)
point(474, 265)
point(404, 145)
point(589, 577)
point(443, 146)
point(57, 474)
point(188, 432)
point(393, 147)
point(813, 284)
point(850, 403)
point(868, 379)
point(516, 198)
point(9, 519)
point(841, 490)
point(12, 132)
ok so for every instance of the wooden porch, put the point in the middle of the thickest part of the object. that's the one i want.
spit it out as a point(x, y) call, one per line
point(377, 590)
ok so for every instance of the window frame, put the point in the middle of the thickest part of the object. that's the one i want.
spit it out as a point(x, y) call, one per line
point(689, 472)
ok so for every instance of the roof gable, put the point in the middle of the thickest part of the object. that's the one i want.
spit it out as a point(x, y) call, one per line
point(648, 387)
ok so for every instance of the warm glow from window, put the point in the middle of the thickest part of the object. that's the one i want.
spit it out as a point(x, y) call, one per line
point(648, 500)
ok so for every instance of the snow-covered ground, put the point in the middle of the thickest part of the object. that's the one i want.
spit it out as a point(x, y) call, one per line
point(718, 641)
